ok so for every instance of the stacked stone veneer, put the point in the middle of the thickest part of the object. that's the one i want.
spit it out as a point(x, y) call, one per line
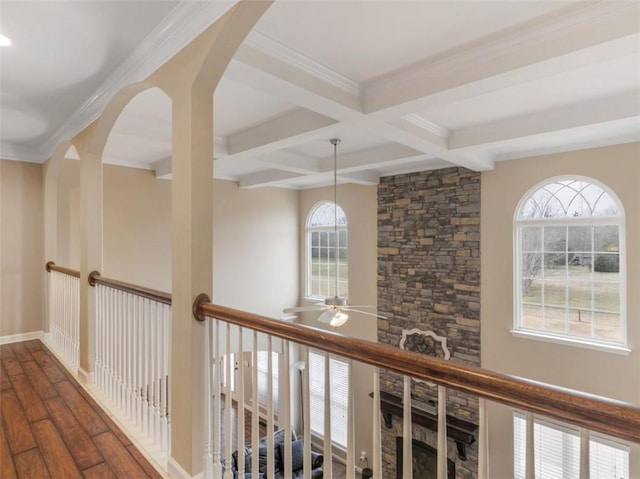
point(429, 278)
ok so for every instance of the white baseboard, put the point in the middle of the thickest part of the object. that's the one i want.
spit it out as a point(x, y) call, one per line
point(85, 377)
point(16, 338)
point(176, 471)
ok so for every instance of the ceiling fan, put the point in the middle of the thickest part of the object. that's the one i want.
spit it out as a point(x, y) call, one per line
point(334, 309)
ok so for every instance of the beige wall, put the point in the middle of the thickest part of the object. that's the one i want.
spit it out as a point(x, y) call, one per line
point(255, 248)
point(597, 372)
point(21, 248)
point(137, 227)
point(255, 237)
point(360, 204)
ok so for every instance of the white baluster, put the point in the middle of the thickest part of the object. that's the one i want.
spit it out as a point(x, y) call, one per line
point(306, 416)
point(530, 470)
point(270, 421)
point(328, 450)
point(442, 432)
point(240, 403)
point(166, 327)
point(255, 425)
point(153, 340)
point(407, 437)
point(146, 374)
point(483, 444)
point(351, 437)
point(207, 460)
point(228, 405)
point(217, 398)
point(377, 440)
point(585, 466)
point(284, 401)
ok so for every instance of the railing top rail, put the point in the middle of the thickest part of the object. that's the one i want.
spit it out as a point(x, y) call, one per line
point(51, 266)
point(604, 415)
point(152, 294)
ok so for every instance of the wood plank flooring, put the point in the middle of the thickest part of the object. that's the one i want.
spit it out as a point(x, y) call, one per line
point(50, 427)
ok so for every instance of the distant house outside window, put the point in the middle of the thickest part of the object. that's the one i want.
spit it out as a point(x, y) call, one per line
point(570, 261)
point(321, 252)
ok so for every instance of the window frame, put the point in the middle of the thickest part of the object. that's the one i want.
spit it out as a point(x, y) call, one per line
point(568, 431)
point(618, 220)
point(308, 295)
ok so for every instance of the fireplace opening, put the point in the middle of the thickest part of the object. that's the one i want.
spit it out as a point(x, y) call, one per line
point(425, 461)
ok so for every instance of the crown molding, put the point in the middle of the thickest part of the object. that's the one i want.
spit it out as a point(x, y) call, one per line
point(553, 26)
point(16, 153)
point(425, 124)
point(186, 21)
point(296, 59)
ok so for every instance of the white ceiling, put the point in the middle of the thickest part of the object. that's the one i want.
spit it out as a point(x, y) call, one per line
point(407, 85)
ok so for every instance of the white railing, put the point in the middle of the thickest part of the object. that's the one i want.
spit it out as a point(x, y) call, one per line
point(64, 314)
point(132, 360)
point(231, 332)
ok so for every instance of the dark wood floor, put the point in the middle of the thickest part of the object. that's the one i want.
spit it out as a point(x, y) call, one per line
point(51, 428)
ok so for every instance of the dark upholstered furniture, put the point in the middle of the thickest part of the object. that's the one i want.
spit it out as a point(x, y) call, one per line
point(297, 455)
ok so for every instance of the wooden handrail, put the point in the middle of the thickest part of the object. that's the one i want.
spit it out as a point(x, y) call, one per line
point(51, 266)
point(604, 415)
point(153, 294)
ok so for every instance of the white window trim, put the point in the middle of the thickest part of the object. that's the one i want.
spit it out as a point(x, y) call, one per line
point(616, 347)
point(308, 297)
point(572, 430)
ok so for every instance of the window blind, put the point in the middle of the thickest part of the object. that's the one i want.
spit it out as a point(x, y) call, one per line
point(557, 452)
point(339, 377)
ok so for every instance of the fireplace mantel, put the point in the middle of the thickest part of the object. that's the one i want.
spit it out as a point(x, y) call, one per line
point(459, 430)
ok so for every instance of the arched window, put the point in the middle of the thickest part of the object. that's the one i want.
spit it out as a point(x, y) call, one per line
point(570, 262)
point(321, 252)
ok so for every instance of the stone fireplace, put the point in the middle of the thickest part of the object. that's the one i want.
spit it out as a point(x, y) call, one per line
point(425, 461)
point(429, 291)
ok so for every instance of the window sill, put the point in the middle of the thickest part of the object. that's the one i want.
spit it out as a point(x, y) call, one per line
point(575, 342)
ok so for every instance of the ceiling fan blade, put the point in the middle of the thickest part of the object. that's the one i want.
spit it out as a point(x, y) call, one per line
point(318, 307)
point(366, 306)
point(364, 312)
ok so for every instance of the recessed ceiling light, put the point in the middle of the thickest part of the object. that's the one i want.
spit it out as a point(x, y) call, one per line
point(4, 41)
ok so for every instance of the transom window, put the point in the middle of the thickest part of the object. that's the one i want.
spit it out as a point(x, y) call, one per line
point(570, 262)
point(321, 251)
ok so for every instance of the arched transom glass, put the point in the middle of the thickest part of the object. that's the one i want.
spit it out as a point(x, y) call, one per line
point(570, 262)
point(324, 267)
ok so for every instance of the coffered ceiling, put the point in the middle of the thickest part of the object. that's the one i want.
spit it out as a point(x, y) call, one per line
point(406, 85)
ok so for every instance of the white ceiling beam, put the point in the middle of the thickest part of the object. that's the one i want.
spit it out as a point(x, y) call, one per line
point(403, 132)
point(293, 162)
point(579, 36)
point(603, 110)
point(369, 158)
point(366, 177)
point(296, 83)
point(292, 128)
point(265, 178)
point(268, 74)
